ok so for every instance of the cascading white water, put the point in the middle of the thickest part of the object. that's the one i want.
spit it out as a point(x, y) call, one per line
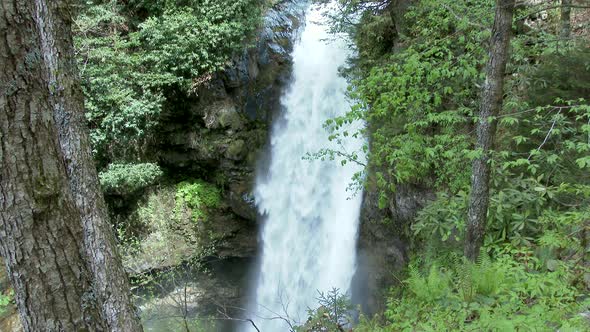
point(311, 220)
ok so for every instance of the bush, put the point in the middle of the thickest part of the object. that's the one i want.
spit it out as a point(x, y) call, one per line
point(331, 314)
point(197, 197)
point(191, 41)
point(134, 57)
point(129, 178)
point(564, 75)
point(5, 301)
point(511, 292)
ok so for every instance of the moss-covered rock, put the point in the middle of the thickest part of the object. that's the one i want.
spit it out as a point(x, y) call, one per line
point(236, 150)
point(175, 223)
point(157, 234)
point(223, 114)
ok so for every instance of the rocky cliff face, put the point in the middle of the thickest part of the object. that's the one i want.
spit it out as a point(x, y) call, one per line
point(222, 127)
point(218, 135)
point(382, 249)
point(219, 132)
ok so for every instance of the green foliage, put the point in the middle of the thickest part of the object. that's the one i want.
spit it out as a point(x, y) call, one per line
point(430, 288)
point(129, 178)
point(166, 226)
point(522, 212)
point(332, 313)
point(191, 41)
point(511, 292)
point(134, 56)
point(540, 171)
point(417, 83)
point(123, 97)
point(418, 101)
point(377, 36)
point(6, 300)
point(197, 196)
point(539, 211)
point(443, 218)
point(421, 101)
point(419, 94)
point(561, 74)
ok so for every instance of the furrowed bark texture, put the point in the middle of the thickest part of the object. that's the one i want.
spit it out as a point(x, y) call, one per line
point(110, 280)
point(40, 228)
point(491, 104)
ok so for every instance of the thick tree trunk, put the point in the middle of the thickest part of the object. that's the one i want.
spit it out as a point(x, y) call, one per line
point(110, 279)
point(491, 104)
point(397, 10)
point(566, 25)
point(40, 228)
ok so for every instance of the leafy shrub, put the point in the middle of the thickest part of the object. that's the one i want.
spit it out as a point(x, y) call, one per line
point(539, 187)
point(123, 98)
point(419, 101)
point(197, 197)
point(510, 292)
point(6, 300)
point(331, 314)
point(133, 57)
point(523, 211)
point(129, 178)
point(564, 75)
point(191, 41)
point(429, 288)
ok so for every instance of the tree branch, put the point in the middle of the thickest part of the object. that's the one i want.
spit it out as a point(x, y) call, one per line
point(549, 8)
point(548, 134)
point(459, 18)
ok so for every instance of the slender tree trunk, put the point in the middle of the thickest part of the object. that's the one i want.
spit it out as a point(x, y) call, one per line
point(110, 279)
point(491, 104)
point(566, 25)
point(40, 228)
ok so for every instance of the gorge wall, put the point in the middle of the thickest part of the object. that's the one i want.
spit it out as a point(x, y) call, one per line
point(218, 135)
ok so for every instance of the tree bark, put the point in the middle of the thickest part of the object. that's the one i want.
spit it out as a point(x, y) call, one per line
point(110, 280)
point(566, 25)
point(491, 104)
point(40, 228)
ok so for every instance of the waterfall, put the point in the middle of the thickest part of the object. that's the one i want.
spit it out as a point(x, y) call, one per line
point(310, 219)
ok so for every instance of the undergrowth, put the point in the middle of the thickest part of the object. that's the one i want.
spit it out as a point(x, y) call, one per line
point(513, 291)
